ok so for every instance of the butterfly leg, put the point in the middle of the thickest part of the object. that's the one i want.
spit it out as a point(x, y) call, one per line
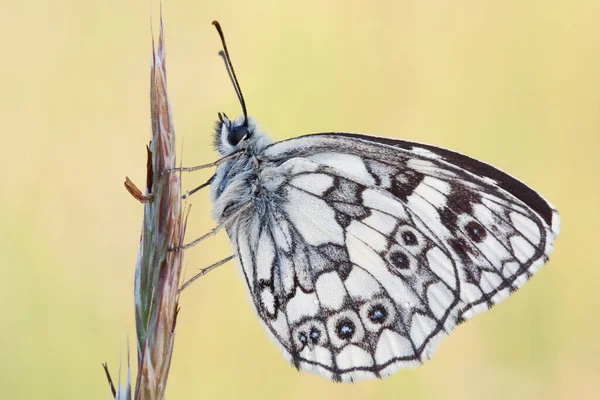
point(205, 184)
point(217, 228)
point(203, 166)
point(205, 271)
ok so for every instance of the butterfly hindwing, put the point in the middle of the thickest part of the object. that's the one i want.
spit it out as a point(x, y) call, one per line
point(340, 294)
point(363, 255)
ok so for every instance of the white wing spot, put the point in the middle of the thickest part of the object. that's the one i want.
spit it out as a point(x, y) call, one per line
point(421, 327)
point(302, 305)
point(526, 226)
point(280, 325)
point(350, 164)
point(330, 290)
point(268, 301)
point(521, 248)
point(440, 298)
point(378, 201)
point(490, 281)
point(319, 354)
point(314, 183)
point(441, 265)
point(264, 256)
point(521, 280)
point(424, 152)
point(392, 345)
point(374, 239)
point(361, 285)
point(381, 222)
point(353, 356)
point(469, 292)
point(313, 218)
point(428, 212)
point(483, 215)
point(281, 234)
point(511, 268)
point(421, 165)
point(476, 309)
point(245, 258)
point(286, 269)
point(502, 294)
point(430, 189)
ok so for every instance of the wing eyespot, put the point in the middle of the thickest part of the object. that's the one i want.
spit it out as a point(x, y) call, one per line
point(377, 314)
point(303, 338)
point(315, 335)
point(476, 231)
point(345, 329)
point(409, 238)
point(400, 260)
point(309, 334)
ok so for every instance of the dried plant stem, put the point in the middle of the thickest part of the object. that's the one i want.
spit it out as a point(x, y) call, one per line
point(158, 269)
point(160, 258)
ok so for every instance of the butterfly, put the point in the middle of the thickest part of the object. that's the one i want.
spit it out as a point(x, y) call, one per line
point(361, 253)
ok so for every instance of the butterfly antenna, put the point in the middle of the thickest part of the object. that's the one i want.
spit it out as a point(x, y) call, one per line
point(236, 84)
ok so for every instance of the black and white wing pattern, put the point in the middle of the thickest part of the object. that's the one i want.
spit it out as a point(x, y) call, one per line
point(369, 251)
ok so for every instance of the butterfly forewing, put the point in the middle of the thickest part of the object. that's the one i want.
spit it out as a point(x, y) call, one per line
point(362, 253)
point(368, 251)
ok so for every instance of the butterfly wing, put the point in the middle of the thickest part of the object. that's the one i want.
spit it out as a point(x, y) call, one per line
point(366, 252)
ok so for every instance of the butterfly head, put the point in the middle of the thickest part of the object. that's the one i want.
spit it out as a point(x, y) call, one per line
point(238, 134)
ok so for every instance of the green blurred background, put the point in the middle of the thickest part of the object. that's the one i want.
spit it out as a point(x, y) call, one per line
point(515, 83)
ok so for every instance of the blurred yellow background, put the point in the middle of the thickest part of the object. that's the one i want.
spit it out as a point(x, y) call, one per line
point(515, 83)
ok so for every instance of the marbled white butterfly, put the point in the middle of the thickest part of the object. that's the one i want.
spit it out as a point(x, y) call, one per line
point(362, 253)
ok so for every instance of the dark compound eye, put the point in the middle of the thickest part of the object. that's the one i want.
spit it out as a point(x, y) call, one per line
point(345, 329)
point(476, 231)
point(409, 238)
point(400, 260)
point(377, 314)
point(237, 134)
point(315, 335)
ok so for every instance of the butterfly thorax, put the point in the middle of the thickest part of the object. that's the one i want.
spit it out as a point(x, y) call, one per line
point(242, 179)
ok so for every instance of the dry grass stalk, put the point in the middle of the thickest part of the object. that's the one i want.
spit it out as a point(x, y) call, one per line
point(159, 265)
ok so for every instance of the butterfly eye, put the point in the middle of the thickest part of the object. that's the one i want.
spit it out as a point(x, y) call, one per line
point(237, 134)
